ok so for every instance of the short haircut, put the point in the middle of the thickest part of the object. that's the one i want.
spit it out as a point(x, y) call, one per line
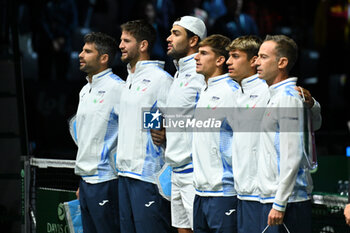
point(286, 47)
point(248, 44)
point(218, 44)
point(141, 30)
point(104, 44)
point(191, 34)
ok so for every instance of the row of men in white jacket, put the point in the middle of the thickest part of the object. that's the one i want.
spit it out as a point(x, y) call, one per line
point(266, 162)
point(137, 157)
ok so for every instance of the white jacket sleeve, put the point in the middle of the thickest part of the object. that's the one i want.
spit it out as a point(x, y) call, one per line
point(179, 141)
point(290, 119)
point(163, 91)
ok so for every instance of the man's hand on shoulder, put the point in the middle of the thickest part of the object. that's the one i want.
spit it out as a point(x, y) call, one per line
point(306, 96)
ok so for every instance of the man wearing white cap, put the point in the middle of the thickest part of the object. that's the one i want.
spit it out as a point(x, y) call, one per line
point(183, 95)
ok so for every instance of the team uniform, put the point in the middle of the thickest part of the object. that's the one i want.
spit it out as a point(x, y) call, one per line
point(182, 99)
point(251, 102)
point(283, 172)
point(96, 132)
point(215, 201)
point(138, 161)
point(250, 99)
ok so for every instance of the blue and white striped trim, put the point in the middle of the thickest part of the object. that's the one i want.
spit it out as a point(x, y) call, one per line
point(282, 206)
point(282, 84)
point(206, 191)
point(89, 176)
point(226, 77)
point(127, 172)
point(259, 198)
point(150, 62)
point(101, 75)
point(189, 59)
point(187, 168)
point(252, 80)
point(116, 78)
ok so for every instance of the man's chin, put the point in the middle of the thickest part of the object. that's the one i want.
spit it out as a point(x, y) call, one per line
point(82, 68)
point(125, 59)
point(169, 53)
point(173, 54)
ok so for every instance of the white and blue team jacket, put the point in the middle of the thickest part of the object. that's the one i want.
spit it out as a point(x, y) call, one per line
point(251, 102)
point(283, 175)
point(96, 127)
point(147, 88)
point(182, 98)
point(212, 151)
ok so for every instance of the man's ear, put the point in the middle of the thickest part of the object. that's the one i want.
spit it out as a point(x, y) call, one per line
point(282, 63)
point(143, 46)
point(104, 58)
point(194, 41)
point(220, 61)
point(252, 61)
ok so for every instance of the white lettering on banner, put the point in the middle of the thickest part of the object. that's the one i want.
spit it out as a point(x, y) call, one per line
point(57, 228)
point(209, 123)
point(191, 123)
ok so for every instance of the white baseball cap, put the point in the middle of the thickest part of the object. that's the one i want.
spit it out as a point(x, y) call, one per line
point(194, 25)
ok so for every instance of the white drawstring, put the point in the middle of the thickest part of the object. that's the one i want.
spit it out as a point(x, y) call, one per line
point(265, 229)
point(283, 225)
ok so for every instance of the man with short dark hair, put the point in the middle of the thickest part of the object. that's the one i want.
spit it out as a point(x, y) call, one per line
point(284, 178)
point(251, 102)
point(96, 125)
point(215, 203)
point(139, 160)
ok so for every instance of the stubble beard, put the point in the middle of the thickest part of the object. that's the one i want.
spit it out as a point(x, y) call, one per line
point(90, 68)
point(125, 59)
point(176, 54)
point(130, 57)
point(85, 68)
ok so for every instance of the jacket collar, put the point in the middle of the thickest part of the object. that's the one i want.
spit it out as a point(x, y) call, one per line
point(215, 80)
point(185, 63)
point(287, 82)
point(141, 65)
point(251, 82)
point(97, 77)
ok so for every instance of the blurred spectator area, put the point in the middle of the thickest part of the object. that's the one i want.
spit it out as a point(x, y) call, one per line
point(320, 28)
